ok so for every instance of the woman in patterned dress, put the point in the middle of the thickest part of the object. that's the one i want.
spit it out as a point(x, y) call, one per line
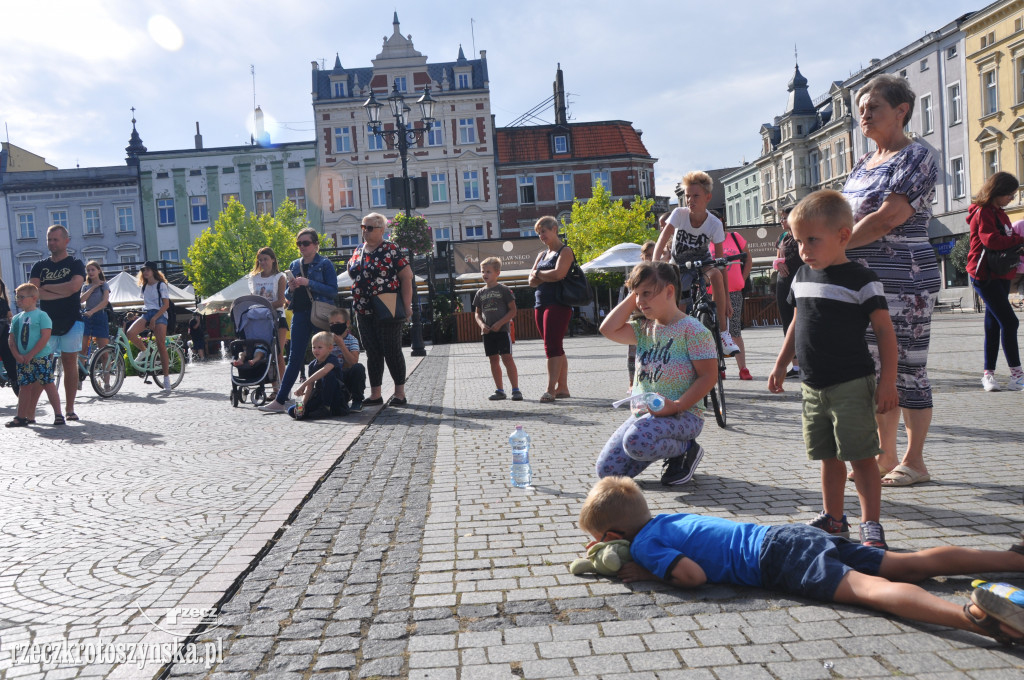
point(891, 192)
point(376, 267)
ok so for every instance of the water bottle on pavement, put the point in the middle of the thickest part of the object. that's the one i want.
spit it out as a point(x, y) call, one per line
point(521, 474)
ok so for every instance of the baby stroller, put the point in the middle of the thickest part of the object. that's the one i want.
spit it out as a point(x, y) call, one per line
point(256, 332)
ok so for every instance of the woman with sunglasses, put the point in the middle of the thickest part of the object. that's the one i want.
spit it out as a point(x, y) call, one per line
point(312, 278)
point(379, 267)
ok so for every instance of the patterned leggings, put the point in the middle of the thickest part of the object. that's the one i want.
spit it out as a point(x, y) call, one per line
point(382, 341)
point(640, 441)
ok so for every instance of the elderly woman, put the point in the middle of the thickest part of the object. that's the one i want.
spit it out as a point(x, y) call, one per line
point(552, 265)
point(312, 278)
point(377, 268)
point(891, 192)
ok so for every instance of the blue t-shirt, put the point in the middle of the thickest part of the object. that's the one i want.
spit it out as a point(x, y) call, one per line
point(26, 328)
point(727, 551)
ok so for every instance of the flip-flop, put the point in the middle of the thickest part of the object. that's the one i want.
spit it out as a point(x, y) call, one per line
point(72, 415)
point(901, 475)
point(546, 398)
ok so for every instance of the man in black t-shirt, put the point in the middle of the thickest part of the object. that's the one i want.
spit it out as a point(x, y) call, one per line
point(60, 278)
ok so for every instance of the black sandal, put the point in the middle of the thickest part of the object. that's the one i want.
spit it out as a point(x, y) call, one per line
point(990, 625)
point(71, 415)
point(18, 421)
point(58, 420)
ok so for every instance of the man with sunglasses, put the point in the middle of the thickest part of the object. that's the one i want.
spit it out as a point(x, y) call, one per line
point(312, 278)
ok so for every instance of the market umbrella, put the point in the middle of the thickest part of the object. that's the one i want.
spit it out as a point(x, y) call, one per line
point(622, 256)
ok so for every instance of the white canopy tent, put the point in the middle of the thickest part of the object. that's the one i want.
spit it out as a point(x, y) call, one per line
point(622, 256)
point(125, 292)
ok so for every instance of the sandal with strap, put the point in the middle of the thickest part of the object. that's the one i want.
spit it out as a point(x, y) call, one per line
point(990, 625)
point(58, 420)
point(71, 415)
point(18, 421)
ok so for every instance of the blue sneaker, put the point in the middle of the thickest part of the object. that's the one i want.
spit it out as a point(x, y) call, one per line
point(831, 525)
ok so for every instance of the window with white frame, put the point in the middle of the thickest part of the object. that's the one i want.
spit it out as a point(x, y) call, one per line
point(953, 103)
point(26, 226)
point(125, 219)
point(471, 185)
point(957, 177)
point(790, 182)
point(826, 163)
point(924, 64)
point(527, 231)
point(374, 142)
point(563, 187)
point(343, 139)
point(813, 163)
point(990, 161)
point(602, 176)
point(746, 205)
point(841, 157)
point(400, 83)
point(757, 205)
point(467, 130)
point(378, 194)
point(200, 211)
point(927, 119)
point(645, 184)
point(126, 259)
point(339, 89)
point(435, 134)
point(527, 193)
point(227, 198)
point(989, 93)
point(442, 233)
point(730, 210)
point(347, 193)
point(298, 197)
point(438, 187)
point(26, 269)
point(349, 241)
point(264, 202)
point(59, 217)
point(1020, 79)
point(463, 81)
point(767, 186)
point(165, 212)
point(474, 232)
point(561, 144)
point(169, 255)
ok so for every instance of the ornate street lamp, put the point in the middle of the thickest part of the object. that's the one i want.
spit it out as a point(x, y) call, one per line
point(401, 137)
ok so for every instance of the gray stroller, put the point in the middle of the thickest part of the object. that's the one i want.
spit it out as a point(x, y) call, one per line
point(256, 333)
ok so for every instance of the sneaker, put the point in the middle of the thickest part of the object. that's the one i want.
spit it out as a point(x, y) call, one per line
point(873, 535)
point(831, 525)
point(167, 385)
point(517, 395)
point(988, 381)
point(1016, 383)
point(497, 396)
point(793, 372)
point(357, 405)
point(272, 406)
point(729, 347)
point(679, 470)
point(745, 374)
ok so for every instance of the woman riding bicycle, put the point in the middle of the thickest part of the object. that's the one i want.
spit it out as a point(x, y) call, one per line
point(155, 303)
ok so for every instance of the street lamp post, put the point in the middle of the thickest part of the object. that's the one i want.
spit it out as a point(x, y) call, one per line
point(400, 138)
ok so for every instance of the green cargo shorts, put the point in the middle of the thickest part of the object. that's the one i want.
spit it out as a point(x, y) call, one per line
point(839, 421)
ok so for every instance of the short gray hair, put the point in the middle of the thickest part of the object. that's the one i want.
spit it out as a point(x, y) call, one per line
point(894, 90)
point(376, 219)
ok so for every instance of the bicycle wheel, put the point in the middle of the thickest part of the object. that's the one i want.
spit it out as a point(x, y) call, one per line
point(106, 372)
point(177, 367)
point(717, 394)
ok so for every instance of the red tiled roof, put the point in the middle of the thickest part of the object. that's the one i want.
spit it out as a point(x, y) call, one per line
point(586, 140)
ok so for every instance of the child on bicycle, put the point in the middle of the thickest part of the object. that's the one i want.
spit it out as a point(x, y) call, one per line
point(155, 303)
point(95, 296)
point(675, 357)
point(835, 301)
point(29, 341)
point(323, 393)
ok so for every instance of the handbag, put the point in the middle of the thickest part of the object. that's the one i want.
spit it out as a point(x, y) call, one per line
point(1001, 262)
point(320, 312)
point(574, 290)
point(388, 307)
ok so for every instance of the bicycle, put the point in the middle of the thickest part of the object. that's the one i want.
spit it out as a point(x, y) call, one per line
point(703, 308)
point(107, 370)
point(83, 365)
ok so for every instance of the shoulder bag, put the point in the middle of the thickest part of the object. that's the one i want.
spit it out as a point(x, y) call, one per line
point(320, 312)
point(1001, 262)
point(574, 290)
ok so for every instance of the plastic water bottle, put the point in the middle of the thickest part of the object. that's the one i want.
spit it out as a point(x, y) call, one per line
point(521, 474)
point(1012, 593)
point(645, 402)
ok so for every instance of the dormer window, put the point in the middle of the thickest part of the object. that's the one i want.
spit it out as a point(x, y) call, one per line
point(340, 90)
point(561, 144)
point(400, 83)
point(463, 81)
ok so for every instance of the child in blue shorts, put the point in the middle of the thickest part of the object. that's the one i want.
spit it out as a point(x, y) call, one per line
point(836, 300)
point(688, 550)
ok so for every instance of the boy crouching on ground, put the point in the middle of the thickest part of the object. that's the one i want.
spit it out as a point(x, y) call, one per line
point(690, 550)
point(346, 349)
point(495, 307)
point(323, 393)
point(835, 301)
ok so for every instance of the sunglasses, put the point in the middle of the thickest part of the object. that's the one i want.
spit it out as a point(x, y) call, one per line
point(303, 244)
point(369, 227)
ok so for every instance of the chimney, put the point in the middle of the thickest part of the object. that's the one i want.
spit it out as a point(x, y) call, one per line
point(559, 87)
point(199, 137)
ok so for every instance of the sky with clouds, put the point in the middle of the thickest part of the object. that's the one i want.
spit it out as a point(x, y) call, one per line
point(698, 78)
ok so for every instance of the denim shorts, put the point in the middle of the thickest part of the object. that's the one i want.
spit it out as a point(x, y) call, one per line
point(802, 560)
point(97, 325)
point(70, 342)
point(148, 315)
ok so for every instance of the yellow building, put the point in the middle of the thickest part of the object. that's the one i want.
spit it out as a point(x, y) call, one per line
point(994, 47)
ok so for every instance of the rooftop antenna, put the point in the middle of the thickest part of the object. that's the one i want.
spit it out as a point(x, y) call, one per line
point(472, 34)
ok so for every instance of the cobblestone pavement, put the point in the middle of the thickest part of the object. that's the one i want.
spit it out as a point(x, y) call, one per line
point(119, 531)
point(416, 559)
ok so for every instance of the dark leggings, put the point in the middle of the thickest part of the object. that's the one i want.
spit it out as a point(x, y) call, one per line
point(553, 322)
point(1000, 321)
point(10, 365)
point(382, 341)
point(782, 287)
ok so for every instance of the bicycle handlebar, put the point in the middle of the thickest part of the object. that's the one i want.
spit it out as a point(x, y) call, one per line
point(714, 262)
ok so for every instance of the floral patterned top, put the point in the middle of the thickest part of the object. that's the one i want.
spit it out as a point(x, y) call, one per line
point(374, 272)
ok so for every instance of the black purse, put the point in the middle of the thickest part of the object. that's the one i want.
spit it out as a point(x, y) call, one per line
point(574, 290)
point(1001, 262)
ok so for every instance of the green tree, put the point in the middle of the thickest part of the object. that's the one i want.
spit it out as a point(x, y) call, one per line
point(226, 251)
point(958, 256)
point(600, 223)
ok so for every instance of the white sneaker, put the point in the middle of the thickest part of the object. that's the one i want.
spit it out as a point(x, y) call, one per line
point(273, 406)
point(167, 385)
point(1016, 384)
point(728, 346)
point(988, 381)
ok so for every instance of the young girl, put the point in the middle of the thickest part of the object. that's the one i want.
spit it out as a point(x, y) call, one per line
point(676, 358)
point(324, 393)
point(269, 282)
point(95, 295)
point(155, 303)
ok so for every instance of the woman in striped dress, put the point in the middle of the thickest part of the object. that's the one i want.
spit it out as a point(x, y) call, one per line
point(891, 192)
